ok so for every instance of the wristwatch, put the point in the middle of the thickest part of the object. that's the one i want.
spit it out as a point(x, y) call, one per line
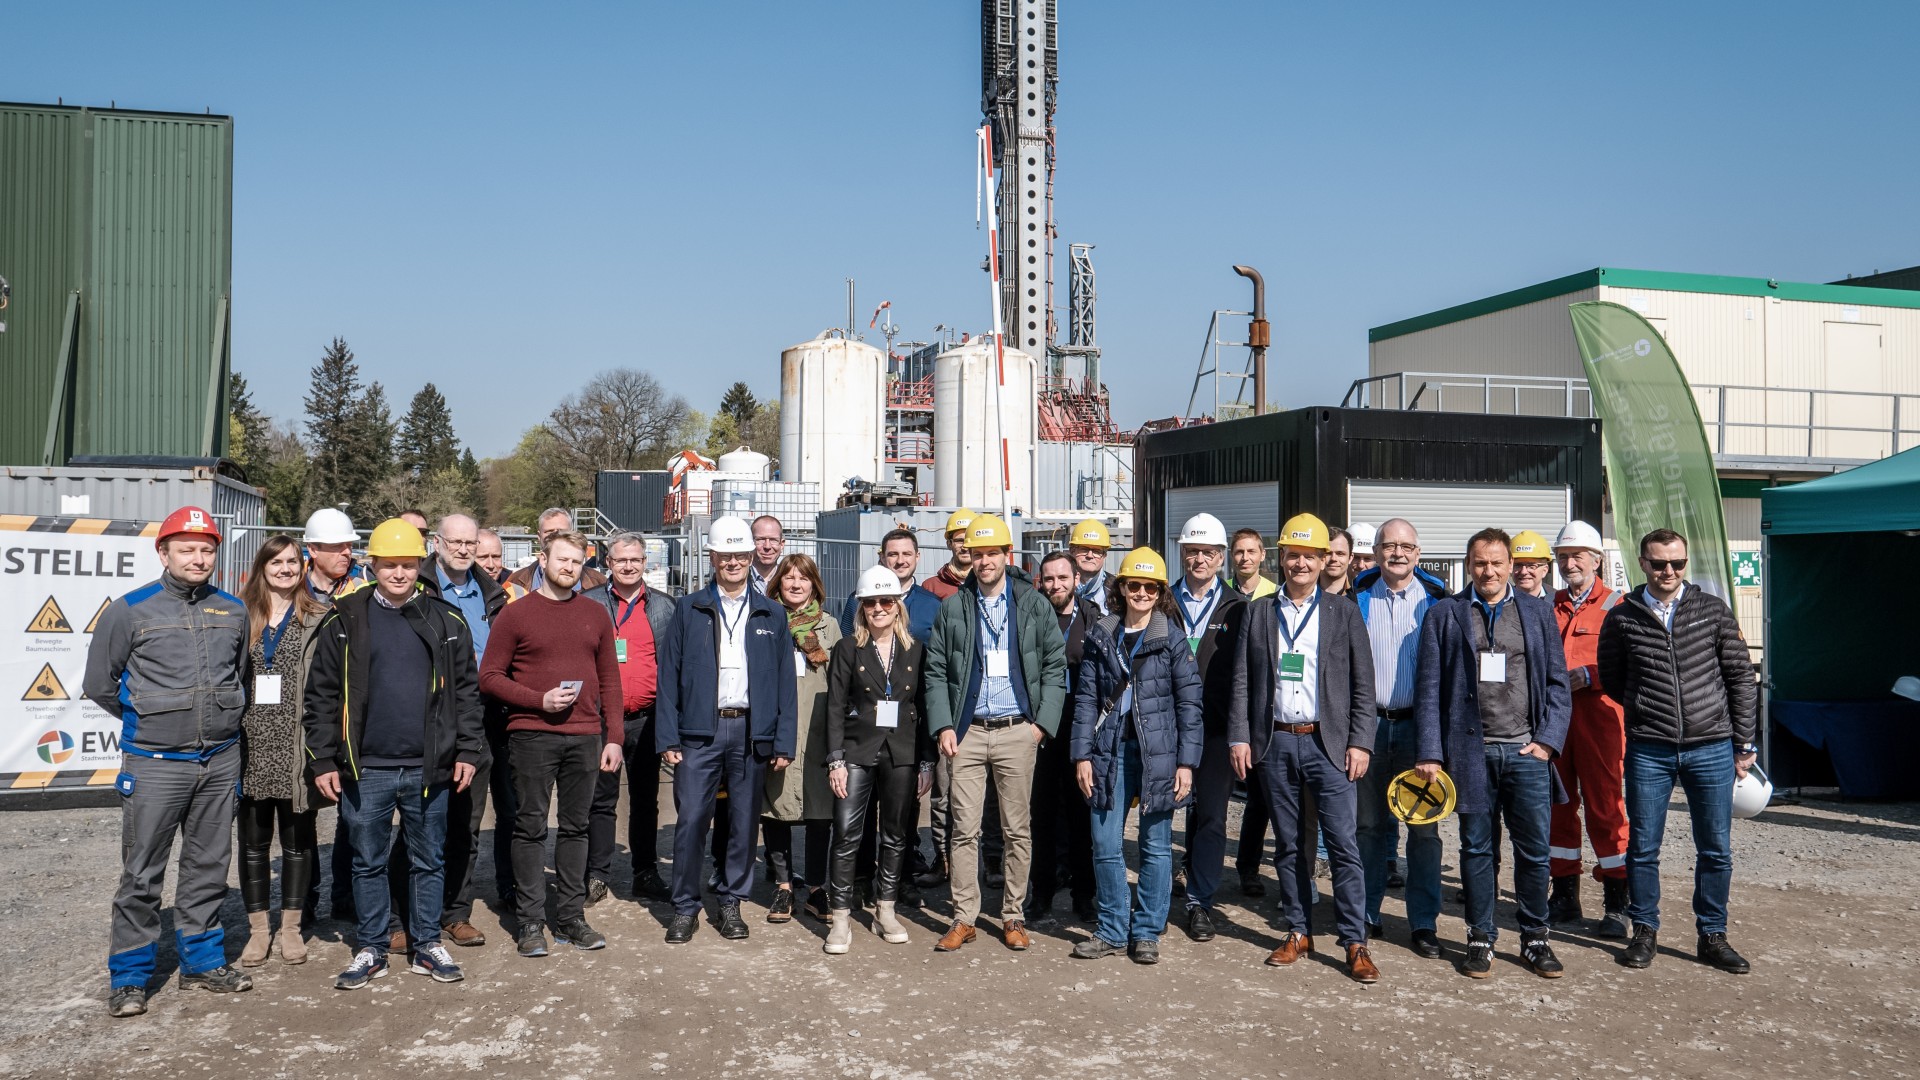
point(1746, 748)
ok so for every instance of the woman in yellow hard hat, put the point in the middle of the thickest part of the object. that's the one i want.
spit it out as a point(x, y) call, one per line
point(1137, 734)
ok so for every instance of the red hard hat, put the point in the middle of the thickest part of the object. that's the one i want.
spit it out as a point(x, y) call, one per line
point(189, 521)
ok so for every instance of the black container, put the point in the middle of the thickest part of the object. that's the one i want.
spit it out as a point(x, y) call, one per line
point(1312, 453)
point(632, 499)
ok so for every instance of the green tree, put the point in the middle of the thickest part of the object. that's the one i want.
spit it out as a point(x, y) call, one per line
point(349, 433)
point(475, 483)
point(426, 443)
point(248, 428)
point(538, 474)
point(738, 402)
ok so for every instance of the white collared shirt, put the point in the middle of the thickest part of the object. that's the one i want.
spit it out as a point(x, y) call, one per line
point(1298, 702)
point(733, 615)
point(1665, 611)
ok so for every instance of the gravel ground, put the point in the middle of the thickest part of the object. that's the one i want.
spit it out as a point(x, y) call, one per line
point(1825, 905)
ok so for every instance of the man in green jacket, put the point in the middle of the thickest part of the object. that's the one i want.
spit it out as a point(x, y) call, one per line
point(996, 681)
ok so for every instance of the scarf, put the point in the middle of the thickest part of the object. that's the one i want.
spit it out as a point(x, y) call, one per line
point(804, 625)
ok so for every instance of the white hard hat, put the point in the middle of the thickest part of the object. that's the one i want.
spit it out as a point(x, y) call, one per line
point(878, 581)
point(1751, 793)
point(1907, 687)
point(329, 526)
point(729, 535)
point(1578, 534)
point(1363, 537)
point(1204, 529)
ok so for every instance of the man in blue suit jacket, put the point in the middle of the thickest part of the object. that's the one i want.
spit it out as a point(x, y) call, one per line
point(727, 706)
point(1492, 704)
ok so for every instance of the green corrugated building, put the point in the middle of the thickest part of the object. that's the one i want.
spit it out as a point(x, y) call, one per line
point(116, 237)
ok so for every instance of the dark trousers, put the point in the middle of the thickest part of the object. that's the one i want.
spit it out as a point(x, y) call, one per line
point(1293, 766)
point(778, 836)
point(886, 792)
point(546, 764)
point(298, 852)
point(1062, 831)
point(730, 755)
point(1521, 791)
point(1207, 821)
point(500, 793)
point(1254, 819)
point(160, 799)
point(642, 766)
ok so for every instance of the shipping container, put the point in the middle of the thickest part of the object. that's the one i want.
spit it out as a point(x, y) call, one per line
point(632, 500)
point(116, 226)
point(1450, 475)
point(1084, 478)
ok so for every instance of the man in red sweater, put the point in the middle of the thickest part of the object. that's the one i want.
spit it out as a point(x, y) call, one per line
point(551, 659)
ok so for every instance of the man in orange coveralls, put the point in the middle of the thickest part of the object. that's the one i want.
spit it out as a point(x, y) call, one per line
point(1590, 764)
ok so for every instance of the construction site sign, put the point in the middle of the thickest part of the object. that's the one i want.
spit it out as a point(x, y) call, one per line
point(53, 571)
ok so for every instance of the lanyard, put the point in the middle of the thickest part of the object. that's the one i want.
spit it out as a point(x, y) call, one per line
point(1493, 616)
point(270, 637)
point(1287, 632)
point(1139, 639)
point(1196, 626)
point(620, 619)
point(886, 664)
point(1066, 631)
point(995, 633)
point(733, 624)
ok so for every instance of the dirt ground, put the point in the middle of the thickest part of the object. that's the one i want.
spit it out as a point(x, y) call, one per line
point(1826, 904)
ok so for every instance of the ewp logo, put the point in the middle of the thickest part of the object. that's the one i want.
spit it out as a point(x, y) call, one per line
point(1642, 347)
point(55, 747)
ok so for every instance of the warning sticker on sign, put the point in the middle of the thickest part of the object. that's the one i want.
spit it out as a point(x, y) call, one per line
point(46, 687)
point(104, 605)
point(49, 620)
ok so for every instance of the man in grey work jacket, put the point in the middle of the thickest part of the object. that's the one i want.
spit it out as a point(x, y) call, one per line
point(170, 658)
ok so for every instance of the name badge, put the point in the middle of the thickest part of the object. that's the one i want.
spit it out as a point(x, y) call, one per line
point(266, 689)
point(1493, 667)
point(997, 667)
point(799, 664)
point(886, 714)
point(620, 649)
point(1293, 667)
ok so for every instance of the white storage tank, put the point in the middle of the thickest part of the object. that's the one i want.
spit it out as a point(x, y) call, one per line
point(833, 395)
point(746, 461)
point(966, 436)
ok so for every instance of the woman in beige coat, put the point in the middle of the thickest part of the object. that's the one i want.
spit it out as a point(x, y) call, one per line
point(799, 794)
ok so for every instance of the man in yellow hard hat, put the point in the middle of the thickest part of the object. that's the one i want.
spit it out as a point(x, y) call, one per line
point(1088, 544)
point(960, 556)
point(1302, 720)
point(1532, 564)
point(996, 682)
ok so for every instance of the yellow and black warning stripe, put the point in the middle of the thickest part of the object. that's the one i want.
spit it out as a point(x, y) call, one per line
point(58, 779)
point(84, 526)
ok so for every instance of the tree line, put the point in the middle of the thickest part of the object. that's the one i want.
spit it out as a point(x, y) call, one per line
point(348, 450)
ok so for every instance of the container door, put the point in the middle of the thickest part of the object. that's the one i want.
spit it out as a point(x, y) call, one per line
point(1238, 506)
point(1447, 514)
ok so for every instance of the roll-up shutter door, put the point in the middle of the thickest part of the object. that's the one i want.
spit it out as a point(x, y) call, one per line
point(1238, 506)
point(1447, 514)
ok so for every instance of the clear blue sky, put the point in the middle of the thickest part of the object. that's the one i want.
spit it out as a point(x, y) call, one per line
point(504, 199)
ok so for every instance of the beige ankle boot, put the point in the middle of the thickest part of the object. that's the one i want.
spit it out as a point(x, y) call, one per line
point(840, 932)
point(293, 947)
point(259, 938)
point(889, 926)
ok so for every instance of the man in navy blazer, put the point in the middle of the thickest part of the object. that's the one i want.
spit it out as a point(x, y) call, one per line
point(1492, 704)
point(727, 706)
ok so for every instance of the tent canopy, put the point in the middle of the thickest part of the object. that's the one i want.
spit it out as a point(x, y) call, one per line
point(1883, 496)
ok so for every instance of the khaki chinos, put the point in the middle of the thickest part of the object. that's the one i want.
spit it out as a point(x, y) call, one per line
point(1005, 754)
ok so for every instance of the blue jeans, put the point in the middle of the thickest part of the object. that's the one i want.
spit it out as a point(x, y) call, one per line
point(1294, 765)
point(368, 804)
point(1379, 831)
point(1520, 789)
point(1706, 773)
point(1110, 861)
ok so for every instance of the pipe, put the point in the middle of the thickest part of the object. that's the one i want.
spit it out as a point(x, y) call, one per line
point(1259, 335)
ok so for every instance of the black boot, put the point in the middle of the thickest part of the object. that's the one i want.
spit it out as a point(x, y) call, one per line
point(1714, 951)
point(1563, 906)
point(1614, 924)
point(1640, 951)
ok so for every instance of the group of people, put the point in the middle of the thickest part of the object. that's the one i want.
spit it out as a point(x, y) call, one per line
point(1032, 715)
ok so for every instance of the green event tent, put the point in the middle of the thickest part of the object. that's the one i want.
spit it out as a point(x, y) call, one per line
point(1841, 600)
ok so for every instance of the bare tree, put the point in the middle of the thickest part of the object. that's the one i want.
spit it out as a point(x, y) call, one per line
point(623, 419)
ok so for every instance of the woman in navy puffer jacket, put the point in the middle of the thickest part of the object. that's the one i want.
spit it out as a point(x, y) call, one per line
point(1136, 735)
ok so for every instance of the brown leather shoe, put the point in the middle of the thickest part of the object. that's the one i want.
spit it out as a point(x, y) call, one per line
point(463, 934)
point(1293, 948)
point(957, 935)
point(397, 944)
point(1360, 965)
point(1014, 933)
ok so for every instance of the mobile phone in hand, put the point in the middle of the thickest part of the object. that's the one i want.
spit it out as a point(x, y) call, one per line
point(571, 684)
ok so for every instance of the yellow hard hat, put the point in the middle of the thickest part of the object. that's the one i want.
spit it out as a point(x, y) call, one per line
point(1528, 544)
point(1421, 802)
point(1090, 533)
point(396, 539)
point(1304, 531)
point(959, 520)
point(987, 531)
point(1144, 563)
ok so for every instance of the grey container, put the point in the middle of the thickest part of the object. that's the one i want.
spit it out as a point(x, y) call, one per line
point(633, 499)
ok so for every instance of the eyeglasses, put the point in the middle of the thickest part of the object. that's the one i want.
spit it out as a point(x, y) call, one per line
point(1141, 586)
point(459, 545)
point(1666, 564)
point(1395, 546)
point(877, 601)
point(732, 557)
point(628, 562)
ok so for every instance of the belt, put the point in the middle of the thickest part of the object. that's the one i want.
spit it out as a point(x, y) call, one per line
point(991, 723)
point(731, 714)
point(1397, 714)
point(642, 712)
point(1296, 729)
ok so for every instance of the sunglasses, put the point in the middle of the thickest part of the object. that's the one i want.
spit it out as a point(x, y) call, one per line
point(877, 601)
point(1666, 564)
point(1141, 586)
